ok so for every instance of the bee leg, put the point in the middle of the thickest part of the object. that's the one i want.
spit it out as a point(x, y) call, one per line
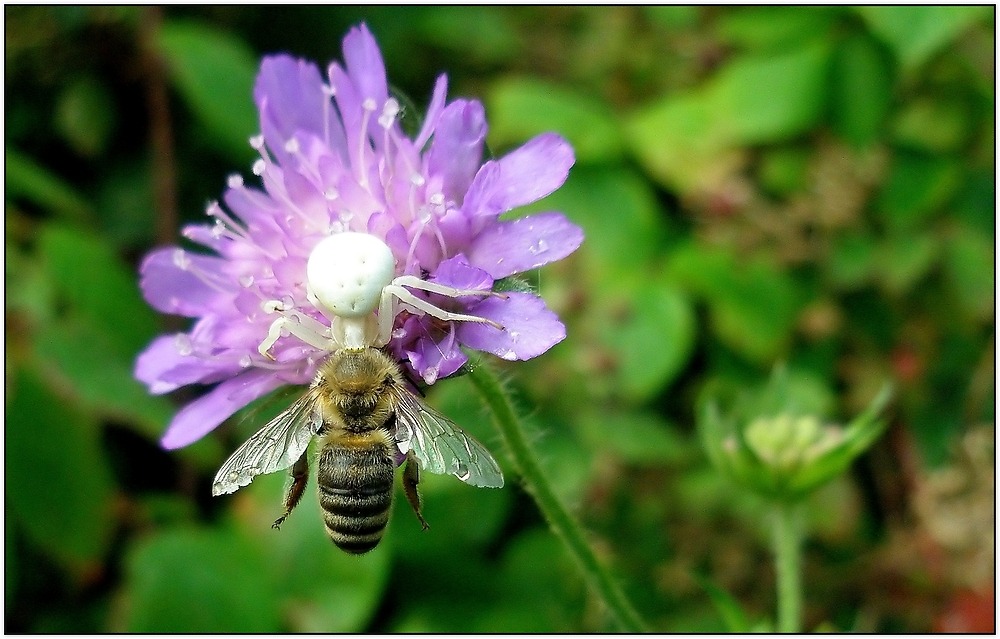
point(411, 477)
point(300, 475)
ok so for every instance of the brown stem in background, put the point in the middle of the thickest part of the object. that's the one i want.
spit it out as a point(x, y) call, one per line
point(160, 129)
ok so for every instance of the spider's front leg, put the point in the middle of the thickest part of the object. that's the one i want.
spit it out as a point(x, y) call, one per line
point(396, 288)
point(293, 322)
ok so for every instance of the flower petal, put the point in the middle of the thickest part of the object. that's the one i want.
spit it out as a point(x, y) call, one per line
point(202, 415)
point(505, 248)
point(524, 175)
point(169, 283)
point(434, 360)
point(164, 368)
point(530, 328)
point(433, 111)
point(289, 94)
point(457, 148)
point(364, 64)
point(458, 273)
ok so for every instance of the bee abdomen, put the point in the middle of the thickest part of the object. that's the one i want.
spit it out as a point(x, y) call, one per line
point(355, 492)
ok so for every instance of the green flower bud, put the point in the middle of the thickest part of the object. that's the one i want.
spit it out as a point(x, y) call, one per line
point(778, 445)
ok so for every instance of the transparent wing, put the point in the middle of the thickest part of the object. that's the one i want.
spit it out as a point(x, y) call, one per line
point(274, 447)
point(441, 446)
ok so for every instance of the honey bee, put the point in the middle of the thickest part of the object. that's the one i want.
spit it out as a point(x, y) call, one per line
point(368, 422)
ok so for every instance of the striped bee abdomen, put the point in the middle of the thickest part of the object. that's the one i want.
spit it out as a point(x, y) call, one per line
point(354, 477)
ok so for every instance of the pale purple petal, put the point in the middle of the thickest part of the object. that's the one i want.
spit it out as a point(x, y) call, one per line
point(521, 177)
point(458, 273)
point(364, 64)
point(169, 283)
point(163, 367)
point(530, 328)
point(289, 93)
point(457, 148)
point(349, 108)
point(515, 246)
point(433, 111)
point(201, 416)
point(434, 360)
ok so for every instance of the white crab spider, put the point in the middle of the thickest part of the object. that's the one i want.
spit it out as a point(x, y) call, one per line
point(348, 275)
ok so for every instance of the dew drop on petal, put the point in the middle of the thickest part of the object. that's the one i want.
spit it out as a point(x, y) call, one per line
point(508, 355)
point(245, 361)
point(462, 471)
point(538, 247)
point(181, 260)
point(292, 146)
point(431, 374)
point(331, 193)
point(183, 344)
point(246, 281)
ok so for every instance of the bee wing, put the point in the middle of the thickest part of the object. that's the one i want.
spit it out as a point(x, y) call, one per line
point(441, 446)
point(274, 447)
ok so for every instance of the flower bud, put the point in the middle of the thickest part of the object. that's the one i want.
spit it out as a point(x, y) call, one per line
point(775, 442)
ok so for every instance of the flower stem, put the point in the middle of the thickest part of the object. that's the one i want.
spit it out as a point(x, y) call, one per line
point(559, 519)
point(788, 562)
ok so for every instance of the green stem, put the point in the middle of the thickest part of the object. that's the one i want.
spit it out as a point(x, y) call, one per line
point(788, 561)
point(561, 522)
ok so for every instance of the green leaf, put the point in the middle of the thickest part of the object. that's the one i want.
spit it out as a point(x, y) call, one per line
point(199, 581)
point(87, 359)
point(96, 285)
point(853, 260)
point(728, 607)
point(969, 259)
point(753, 304)
point(672, 17)
point(58, 487)
point(759, 99)
point(638, 438)
point(775, 28)
point(33, 182)
point(916, 188)
point(124, 205)
point(938, 125)
point(648, 332)
point(524, 107)
point(214, 73)
point(85, 116)
point(680, 142)
point(484, 35)
point(861, 90)
point(784, 170)
point(916, 32)
point(903, 259)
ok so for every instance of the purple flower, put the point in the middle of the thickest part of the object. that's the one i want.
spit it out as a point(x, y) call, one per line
point(334, 159)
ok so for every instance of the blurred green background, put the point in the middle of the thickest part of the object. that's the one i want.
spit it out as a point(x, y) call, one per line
point(814, 186)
